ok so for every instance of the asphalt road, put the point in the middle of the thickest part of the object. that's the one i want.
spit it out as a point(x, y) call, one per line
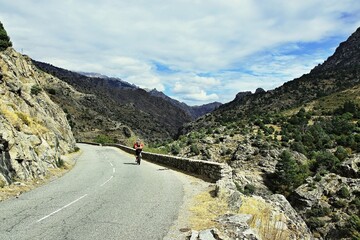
point(105, 196)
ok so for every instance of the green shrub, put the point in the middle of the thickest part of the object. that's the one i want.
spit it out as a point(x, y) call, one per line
point(194, 149)
point(341, 153)
point(314, 223)
point(340, 203)
point(102, 139)
point(4, 38)
point(343, 192)
point(60, 163)
point(353, 225)
point(249, 189)
point(35, 90)
point(318, 211)
point(288, 174)
point(51, 91)
point(175, 149)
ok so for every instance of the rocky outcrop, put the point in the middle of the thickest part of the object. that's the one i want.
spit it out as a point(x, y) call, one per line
point(351, 167)
point(274, 217)
point(327, 202)
point(259, 90)
point(241, 95)
point(35, 131)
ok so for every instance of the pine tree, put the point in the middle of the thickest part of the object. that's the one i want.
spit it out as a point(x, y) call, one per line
point(288, 174)
point(4, 38)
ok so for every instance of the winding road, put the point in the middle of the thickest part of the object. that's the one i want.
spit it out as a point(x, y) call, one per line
point(105, 196)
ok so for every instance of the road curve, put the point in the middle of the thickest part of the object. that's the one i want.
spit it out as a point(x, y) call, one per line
point(105, 196)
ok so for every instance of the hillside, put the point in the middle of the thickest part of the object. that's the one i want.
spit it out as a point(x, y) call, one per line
point(339, 72)
point(34, 131)
point(301, 140)
point(151, 117)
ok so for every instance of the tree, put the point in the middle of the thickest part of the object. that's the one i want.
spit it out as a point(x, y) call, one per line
point(326, 160)
point(4, 38)
point(341, 153)
point(288, 174)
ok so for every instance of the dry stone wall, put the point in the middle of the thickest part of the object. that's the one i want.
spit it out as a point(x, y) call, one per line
point(211, 170)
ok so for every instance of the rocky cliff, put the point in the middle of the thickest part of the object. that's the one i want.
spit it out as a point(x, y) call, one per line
point(34, 131)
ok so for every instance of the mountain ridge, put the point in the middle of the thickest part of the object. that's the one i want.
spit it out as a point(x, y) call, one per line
point(148, 116)
point(193, 111)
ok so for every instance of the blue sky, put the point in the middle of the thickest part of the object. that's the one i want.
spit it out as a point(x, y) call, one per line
point(196, 51)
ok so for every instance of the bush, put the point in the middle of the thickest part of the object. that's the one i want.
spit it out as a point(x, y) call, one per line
point(175, 149)
point(340, 203)
point(249, 189)
point(4, 38)
point(194, 149)
point(318, 211)
point(102, 139)
point(326, 160)
point(288, 174)
point(354, 226)
point(60, 163)
point(35, 90)
point(341, 153)
point(315, 223)
point(51, 91)
point(127, 132)
point(343, 192)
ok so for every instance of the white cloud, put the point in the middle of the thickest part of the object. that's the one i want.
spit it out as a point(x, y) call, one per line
point(193, 38)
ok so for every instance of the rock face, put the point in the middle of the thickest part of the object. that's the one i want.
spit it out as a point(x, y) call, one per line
point(34, 131)
point(351, 167)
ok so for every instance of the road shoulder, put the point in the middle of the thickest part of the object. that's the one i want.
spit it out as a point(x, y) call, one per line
point(19, 187)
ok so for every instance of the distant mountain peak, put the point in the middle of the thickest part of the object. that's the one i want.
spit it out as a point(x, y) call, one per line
point(347, 54)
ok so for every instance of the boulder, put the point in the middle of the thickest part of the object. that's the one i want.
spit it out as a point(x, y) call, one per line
point(351, 167)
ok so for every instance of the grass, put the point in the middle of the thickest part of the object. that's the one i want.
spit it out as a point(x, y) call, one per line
point(11, 116)
point(269, 225)
point(206, 209)
point(18, 118)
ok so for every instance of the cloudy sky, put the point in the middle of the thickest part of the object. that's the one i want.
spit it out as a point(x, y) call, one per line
point(196, 51)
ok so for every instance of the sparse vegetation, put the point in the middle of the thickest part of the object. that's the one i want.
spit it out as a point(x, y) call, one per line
point(102, 139)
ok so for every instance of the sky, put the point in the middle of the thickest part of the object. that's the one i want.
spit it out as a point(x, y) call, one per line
point(195, 51)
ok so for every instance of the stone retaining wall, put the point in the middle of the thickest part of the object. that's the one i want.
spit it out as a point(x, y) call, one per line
point(211, 170)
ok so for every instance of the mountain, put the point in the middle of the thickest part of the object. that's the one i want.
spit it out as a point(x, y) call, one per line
point(148, 116)
point(339, 72)
point(301, 140)
point(34, 131)
point(193, 111)
point(123, 83)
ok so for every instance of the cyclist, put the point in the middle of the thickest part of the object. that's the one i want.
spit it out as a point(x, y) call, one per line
point(138, 146)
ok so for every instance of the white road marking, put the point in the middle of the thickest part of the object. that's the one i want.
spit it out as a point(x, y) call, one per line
point(61, 208)
point(106, 181)
point(111, 164)
point(113, 170)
